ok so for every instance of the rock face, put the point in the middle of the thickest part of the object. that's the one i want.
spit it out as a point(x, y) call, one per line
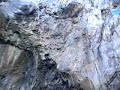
point(59, 45)
point(15, 68)
point(18, 72)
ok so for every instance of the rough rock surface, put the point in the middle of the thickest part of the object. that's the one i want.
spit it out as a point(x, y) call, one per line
point(81, 37)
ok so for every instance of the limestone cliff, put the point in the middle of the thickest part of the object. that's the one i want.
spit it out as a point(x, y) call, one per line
point(59, 45)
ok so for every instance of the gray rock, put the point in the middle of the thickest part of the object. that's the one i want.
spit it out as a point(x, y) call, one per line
point(83, 43)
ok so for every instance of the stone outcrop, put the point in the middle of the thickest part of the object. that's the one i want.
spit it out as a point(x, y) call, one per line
point(60, 45)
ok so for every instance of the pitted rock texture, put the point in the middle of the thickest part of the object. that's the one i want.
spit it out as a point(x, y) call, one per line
point(82, 37)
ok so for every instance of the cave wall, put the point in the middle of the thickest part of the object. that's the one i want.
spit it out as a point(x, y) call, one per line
point(81, 37)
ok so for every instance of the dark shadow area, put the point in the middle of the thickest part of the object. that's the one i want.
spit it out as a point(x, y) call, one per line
point(50, 78)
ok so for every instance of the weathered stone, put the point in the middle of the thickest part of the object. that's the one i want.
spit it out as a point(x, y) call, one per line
point(83, 45)
point(70, 11)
